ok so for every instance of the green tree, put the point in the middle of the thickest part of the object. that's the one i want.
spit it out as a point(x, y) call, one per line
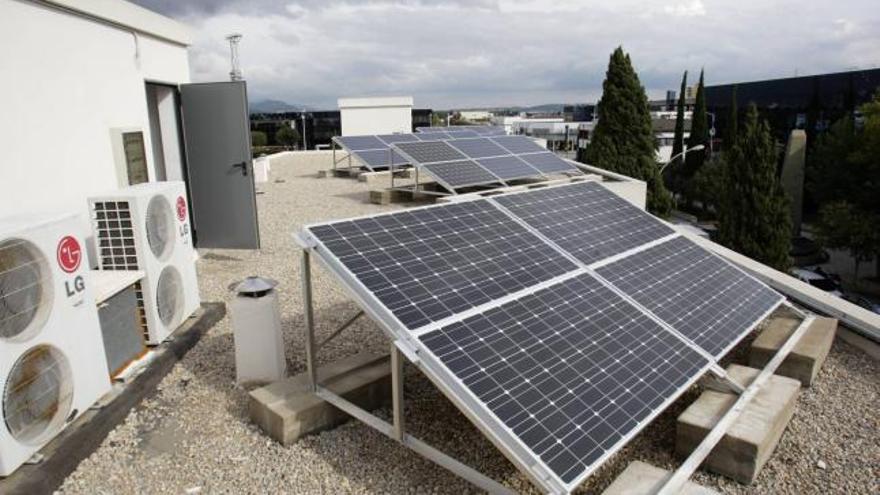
point(732, 120)
point(674, 168)
point(699, 136)
point(843, 177)
point(258, 139)
point(707, 183)
point(753, 216)
point(623, 140)
point(287, 136)
point(844, 226)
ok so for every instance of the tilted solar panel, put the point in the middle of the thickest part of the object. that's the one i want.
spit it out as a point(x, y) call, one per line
point(461, 173)
point(429, 263)
point(548, 162)
point(518, 144)
point(397, 138)
point(585, 219)
point(704, 297)
point(380, 158)
point(509, 167)
point(478, 147)
point(430, 151)
point(572, 370)
point(358, 143)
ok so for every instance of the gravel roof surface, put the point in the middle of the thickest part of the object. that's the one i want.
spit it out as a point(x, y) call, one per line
point(194, 435)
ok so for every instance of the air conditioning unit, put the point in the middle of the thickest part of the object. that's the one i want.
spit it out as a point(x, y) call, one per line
point(146, 227)
point(52, 365)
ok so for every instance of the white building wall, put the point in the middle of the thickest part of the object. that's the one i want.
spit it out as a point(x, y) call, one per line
point(67, 82)
point(382, 115)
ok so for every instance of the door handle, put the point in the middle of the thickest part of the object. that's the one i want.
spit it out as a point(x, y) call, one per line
point(242, 166)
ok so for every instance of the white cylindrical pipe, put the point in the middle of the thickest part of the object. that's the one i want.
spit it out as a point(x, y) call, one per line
point(259, 346)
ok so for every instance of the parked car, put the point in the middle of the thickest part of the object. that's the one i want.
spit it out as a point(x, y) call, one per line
point(863, 301)
point(819, 279)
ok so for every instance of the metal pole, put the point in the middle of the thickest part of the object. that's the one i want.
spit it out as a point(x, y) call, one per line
point(397, 393)
point(309, 319)
point(303, 117)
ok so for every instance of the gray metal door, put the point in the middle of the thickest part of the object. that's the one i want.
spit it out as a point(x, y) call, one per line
point(218, 159)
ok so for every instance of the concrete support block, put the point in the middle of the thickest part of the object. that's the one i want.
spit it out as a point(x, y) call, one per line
point(640, 478)
point(750, 441)
point(805, 360)
point(388, 196)
point(287, 411)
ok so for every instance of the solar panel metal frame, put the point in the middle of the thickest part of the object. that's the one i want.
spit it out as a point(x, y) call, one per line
point(456, 391)
point(421, 165)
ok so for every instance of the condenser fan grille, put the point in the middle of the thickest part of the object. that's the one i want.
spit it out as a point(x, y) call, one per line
point(25, 288)
point(113, 228)
point(169, 296)
point(160, 227)
point(38, 395)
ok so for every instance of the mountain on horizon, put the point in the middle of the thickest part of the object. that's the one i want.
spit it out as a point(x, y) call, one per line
point(276, 106)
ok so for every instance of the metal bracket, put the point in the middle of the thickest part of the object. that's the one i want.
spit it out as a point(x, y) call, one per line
point(342, 327)
point(395, 430)
point(723, 381)
point(303, 241)
point(678, 479)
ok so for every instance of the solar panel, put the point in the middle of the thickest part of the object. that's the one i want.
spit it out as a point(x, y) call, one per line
point(478, 147)
point(508, 167)
point(518, 144)
point(572, 370)
point(585, 219)
point(426, 264)
point(379, 158)
point(397, 138)
point(548, 162)
point(433, 136)
point(705, 298)
point(358, 143)
point(462, 134)
point(430, 151)
point(461, 173)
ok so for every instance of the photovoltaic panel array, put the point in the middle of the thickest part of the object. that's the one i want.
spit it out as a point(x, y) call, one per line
point(559, 363)
point(374, 151)
point(572, 370)
point(447, 165)
point(480, 130)
point(429, 263)
point(505, 157)
point(708, 300)
point(586, 220)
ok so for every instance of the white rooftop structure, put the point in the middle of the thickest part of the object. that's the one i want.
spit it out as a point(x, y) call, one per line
point(376, 115)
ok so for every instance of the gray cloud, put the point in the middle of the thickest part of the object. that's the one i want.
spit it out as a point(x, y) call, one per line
point(481, 53)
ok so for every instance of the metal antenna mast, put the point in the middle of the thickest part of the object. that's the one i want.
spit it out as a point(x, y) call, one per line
point(235, 73)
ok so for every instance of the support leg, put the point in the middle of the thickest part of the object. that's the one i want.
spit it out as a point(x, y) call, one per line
point(309, 318)
point(397, 393)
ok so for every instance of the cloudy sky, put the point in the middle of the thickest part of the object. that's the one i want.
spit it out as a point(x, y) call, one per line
point(474, 53)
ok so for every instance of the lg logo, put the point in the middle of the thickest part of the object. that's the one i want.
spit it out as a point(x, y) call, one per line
point(69, 255)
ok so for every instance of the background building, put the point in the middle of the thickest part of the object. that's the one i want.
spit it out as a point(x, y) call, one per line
point(811, 103)
point(320, 125)
point(378, 115)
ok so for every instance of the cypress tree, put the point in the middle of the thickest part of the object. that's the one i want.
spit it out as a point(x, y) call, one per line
point(699, 135)
point(753, 216)
point(678, 138)
point(623, 139)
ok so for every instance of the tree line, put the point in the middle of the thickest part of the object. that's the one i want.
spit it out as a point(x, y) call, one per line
point(741, 184)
